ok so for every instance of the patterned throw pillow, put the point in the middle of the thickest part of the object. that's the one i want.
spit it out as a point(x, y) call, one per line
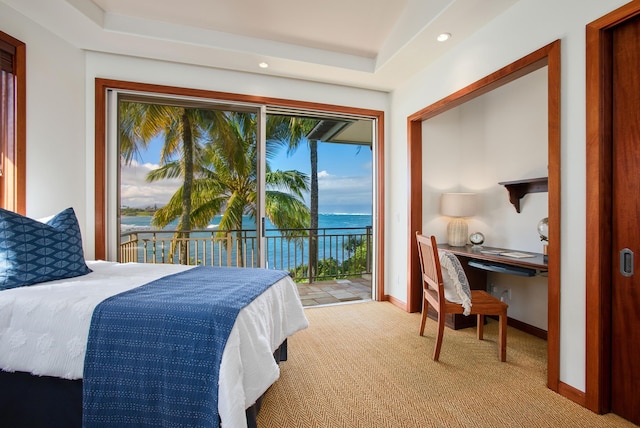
point(456, 285)
point(33, 252)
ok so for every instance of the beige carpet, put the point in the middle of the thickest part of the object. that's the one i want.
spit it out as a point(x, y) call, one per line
point(364, 365)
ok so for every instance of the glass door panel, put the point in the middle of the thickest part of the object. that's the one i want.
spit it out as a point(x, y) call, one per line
point(188, 189)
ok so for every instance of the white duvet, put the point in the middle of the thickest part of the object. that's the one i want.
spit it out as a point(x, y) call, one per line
point(44, 330)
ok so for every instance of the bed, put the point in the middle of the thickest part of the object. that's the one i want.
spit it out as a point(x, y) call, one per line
point(46, 330)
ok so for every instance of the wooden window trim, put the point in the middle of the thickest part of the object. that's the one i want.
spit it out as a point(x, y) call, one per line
point(103, 85)
point(14, 154)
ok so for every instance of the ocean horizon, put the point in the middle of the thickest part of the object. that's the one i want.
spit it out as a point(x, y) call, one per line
point(325, 220)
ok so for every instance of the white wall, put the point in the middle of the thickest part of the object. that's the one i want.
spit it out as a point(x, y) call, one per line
point(525, 27)
point(55, 119)
point(500, 136)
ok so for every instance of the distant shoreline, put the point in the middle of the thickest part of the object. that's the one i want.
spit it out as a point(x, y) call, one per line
point(325, 221)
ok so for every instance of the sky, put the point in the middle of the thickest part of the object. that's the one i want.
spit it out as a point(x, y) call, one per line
point(344, 177)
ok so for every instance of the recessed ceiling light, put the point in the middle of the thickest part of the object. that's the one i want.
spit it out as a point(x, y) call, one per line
point(263, 65)
point(443, 37)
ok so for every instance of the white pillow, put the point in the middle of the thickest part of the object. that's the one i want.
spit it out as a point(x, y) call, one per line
point(456, 285)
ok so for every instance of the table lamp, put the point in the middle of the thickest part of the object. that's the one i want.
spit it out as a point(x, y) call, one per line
point(458, 206)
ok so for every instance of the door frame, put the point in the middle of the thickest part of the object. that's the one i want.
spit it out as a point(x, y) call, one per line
point(549, 56)
point(599, 146)
point(100, 158)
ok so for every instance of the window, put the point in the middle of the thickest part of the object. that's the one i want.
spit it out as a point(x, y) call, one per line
point(196, 178)
point(106, 202)
point(12, 123)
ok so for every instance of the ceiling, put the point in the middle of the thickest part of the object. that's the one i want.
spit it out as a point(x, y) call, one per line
point(374, 44)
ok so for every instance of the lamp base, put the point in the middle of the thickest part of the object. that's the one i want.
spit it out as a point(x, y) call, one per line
point(457, 232)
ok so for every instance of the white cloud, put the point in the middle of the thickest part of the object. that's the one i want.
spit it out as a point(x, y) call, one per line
point(339, 194)
point(135, 191)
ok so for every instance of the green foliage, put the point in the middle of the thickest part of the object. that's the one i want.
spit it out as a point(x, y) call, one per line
point(327, 268)
point(331, 269)
point(131, 212)
point(352, 243)
point(357, 263)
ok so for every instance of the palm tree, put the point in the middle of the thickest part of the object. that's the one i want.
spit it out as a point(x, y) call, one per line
point(293, 132)
point(227, 180)
point(182, 129)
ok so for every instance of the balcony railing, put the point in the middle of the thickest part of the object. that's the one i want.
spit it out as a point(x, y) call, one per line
point(341, 252)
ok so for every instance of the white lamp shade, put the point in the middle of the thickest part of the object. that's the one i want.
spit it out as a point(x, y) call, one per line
point(458, 204)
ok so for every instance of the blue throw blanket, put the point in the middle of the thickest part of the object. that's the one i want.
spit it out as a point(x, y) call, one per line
point(154, 352)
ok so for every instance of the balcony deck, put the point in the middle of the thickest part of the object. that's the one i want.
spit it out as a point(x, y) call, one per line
point(343, 253)
point(334, 292)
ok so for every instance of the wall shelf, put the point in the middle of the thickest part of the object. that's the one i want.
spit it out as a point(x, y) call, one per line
point(517, 189)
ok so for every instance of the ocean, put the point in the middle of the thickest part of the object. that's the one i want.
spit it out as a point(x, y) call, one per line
point(337, 229)
point(329, 221)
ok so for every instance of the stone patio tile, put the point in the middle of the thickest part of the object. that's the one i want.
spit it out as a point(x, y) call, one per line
point(333, 292)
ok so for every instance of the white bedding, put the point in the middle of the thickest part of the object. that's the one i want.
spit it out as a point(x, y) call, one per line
point(44, 330)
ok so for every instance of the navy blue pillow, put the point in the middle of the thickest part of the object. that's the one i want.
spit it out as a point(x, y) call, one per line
point(33, 252)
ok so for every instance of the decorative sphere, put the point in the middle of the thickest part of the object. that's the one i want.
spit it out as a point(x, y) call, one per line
point(543, 229)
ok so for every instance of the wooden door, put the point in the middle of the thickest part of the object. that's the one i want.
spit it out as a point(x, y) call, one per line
point(625, 338)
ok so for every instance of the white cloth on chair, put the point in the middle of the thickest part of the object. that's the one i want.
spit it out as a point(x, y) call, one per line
point(456, 285)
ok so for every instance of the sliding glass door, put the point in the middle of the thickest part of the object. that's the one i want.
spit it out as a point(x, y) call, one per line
point(335, 152)
point(199, 181)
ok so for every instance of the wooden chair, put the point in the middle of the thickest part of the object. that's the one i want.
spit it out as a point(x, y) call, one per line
point(482, 303)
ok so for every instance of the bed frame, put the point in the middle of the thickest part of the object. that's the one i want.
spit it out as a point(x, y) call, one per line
point(42, 401)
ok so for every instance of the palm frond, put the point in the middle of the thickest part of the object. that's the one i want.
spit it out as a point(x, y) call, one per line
point(285, 211)
point(292, 181)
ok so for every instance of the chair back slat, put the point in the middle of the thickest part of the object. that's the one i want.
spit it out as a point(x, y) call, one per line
point(430, 265)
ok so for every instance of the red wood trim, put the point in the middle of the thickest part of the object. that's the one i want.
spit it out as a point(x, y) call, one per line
point(527, 328)
point(228, 96)
point(101, 86)
point(548, 55)
point(598, 205)
point(18, 153)
point(553, 156)
point(396, 302)
point(598, 244)
point(414, 277)
point(21, 130)
point(572, 393)
point(509, 73)
point(380, 204)
point(100, 169)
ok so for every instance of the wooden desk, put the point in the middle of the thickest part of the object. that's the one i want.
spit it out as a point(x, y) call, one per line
point(536, 262)
point(478, 277)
